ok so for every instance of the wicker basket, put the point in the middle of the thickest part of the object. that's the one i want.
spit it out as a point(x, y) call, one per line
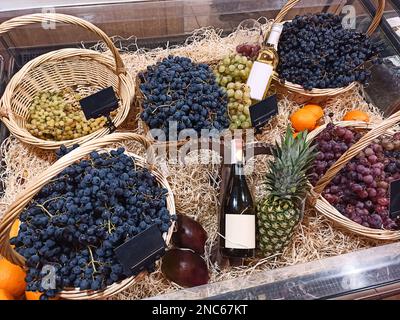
point(36, 185)
point(298, 92)
point(62, 69)
point(323, 206)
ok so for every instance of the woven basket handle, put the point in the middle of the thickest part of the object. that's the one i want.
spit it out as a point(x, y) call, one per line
point(42, 179)
point(354, 150)
point(64, 18)
point(374, 23)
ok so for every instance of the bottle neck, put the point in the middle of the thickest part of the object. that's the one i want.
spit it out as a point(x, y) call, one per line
point(236, 151)
point(238, 169)
point(275, 34)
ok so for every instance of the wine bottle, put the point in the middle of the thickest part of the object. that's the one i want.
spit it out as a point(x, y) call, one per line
point(237, 219)
point(260, 76)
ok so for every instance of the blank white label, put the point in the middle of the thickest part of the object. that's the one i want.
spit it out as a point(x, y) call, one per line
point(240, 231)
point(259, 78)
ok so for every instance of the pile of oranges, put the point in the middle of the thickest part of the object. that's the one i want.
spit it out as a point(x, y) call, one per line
point(307, 118)
point(310, 117)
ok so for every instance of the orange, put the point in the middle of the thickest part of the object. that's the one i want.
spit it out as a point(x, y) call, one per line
point(303, 120)
point(15, 229)
point(356, 115)
point(4, 295)
point(295, 134)
point(12, 278)
point(315, 109)
point(32, 295)
point(35, 295)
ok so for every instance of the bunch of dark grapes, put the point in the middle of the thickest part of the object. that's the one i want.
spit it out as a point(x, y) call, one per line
point(77, 220)
point(179, 90)
point(64, 150)
point(361, 190)
point(315, 51)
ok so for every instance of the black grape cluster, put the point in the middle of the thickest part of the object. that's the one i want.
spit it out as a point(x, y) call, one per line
point(77, 220)
point(64, 150)
point(361, 189)
point(176, 89)
point(317, 52)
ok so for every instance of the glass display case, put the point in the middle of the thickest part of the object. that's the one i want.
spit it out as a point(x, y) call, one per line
point(372, 273)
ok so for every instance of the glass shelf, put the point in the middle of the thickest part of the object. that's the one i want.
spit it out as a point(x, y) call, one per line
point(329, 278)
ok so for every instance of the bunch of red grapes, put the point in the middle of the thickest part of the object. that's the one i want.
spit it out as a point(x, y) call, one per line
point(361, 190)
point(249, 50)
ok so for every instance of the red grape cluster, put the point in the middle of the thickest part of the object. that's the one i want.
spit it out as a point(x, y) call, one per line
point(248, 50)
point(361, 190)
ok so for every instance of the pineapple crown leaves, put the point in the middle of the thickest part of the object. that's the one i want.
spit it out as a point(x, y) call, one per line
point(287, 175)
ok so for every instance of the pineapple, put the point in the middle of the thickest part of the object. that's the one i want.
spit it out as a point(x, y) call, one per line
point(286, 182)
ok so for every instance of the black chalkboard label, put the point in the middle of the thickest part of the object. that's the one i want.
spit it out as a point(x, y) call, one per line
point(140, 251)
point(100, 104)
point(262, 111)
point(394, 208)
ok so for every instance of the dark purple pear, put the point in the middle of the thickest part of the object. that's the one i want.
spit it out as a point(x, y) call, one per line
point(189, 234)
point(185, 268)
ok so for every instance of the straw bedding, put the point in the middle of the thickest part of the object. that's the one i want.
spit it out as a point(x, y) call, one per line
point(195, 186)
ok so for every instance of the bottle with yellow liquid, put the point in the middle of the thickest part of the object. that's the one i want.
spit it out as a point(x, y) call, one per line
point(260, 77)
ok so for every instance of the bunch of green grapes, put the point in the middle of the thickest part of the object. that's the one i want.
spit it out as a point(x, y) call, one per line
point(231, 74)
point(53, 116)
point(238, 105)
point(232, 68)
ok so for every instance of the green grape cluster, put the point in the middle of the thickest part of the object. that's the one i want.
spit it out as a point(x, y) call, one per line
point(238, 105)
point(231, 74)
point(58, 116)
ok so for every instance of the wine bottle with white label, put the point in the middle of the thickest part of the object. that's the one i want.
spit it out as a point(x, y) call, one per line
point(237, 218)
point(261, 72)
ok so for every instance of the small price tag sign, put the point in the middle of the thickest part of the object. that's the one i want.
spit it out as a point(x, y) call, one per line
point(140, 251)
point(394, 208)
point(100, 104)
point(262, 111)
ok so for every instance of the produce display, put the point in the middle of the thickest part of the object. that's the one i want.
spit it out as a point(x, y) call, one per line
point(315, 51)
point(232, 73)
point(361, 190)
point(183, 264)
point(179, 90)
point(77, 220)
point(287, 184)
point(58, 116)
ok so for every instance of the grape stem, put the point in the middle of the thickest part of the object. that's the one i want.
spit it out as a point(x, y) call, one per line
point(55, 198)
point(44, 209)
point(92, 259)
